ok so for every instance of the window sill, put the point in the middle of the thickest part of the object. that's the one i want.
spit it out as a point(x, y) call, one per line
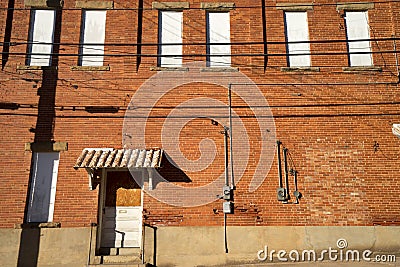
point(169, 69)
point(219, 69)
point(362, 69)
point(23, 67)
point(37, 225)
point(90, 68)
point(300, 69)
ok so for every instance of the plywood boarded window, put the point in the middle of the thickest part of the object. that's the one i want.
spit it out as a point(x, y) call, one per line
point(43, 186)
point(297, 31)
point(93, 32)
point(41, 36)
point(357, 28)
point(122, 190)
point(218, 39)
point(170, 38)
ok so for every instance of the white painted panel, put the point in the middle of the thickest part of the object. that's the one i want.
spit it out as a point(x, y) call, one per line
point(42, 34)
point(53, 187)
point(122, 227)
point(43, 187)
point(219, 32)
point(127, 225)
point(171, 32)
point(297, 31)
point(358, 28)
point(94, 30)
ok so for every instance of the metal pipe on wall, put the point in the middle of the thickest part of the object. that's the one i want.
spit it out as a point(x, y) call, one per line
point(278, 153)
point(225, 234)
point(231, 135)
point(226, 156)
point(286, 173)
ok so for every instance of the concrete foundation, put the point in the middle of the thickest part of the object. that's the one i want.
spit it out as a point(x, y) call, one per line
point(204, 246)
point(45, 247)
point(194, 246)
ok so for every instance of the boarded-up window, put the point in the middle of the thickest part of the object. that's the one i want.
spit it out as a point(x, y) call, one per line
point(357, 28)
point(297, 31)
point(218, 39)
point(170, 38)
point(43, 187)
point(41, 37)
point(93, 32)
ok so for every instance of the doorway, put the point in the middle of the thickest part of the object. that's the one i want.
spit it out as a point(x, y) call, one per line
point(121, 211)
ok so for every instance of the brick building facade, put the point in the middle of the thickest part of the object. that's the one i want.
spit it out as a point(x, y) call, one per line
point(332, 112)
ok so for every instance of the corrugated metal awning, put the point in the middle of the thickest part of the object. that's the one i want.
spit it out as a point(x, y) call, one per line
point(97, 158)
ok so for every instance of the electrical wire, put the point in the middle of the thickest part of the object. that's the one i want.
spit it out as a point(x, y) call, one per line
point(330, 53)
point(330, 41)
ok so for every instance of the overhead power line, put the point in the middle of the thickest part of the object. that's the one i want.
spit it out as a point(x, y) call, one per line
point(208, 43)
point(205, 55)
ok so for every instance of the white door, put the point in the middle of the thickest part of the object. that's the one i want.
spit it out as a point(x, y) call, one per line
point(122, 227)
point(122, 214)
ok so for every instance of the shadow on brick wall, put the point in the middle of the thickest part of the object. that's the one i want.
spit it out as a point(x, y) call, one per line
point(28, 254)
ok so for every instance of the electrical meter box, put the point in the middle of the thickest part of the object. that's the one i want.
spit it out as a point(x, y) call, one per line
point(282, 195)
point(227, 207)
point(227, 193)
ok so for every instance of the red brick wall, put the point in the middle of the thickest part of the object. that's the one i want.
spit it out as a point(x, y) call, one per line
point(330, 130)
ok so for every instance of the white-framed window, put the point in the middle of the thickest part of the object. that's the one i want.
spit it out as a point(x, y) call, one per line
point(170, 38)
point(43, 186)
point(357, 28)
point(93, 33)
point(218, 39)
point(41, 35)
point(296, 28)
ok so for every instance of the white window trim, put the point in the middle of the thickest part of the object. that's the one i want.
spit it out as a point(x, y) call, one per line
point(35, 46)
point(170, 34)
point(297, 48)
point(359, 60)
point(85, 58)
point(214, 58)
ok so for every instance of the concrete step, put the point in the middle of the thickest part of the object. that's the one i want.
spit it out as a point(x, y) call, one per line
point(125, 259)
